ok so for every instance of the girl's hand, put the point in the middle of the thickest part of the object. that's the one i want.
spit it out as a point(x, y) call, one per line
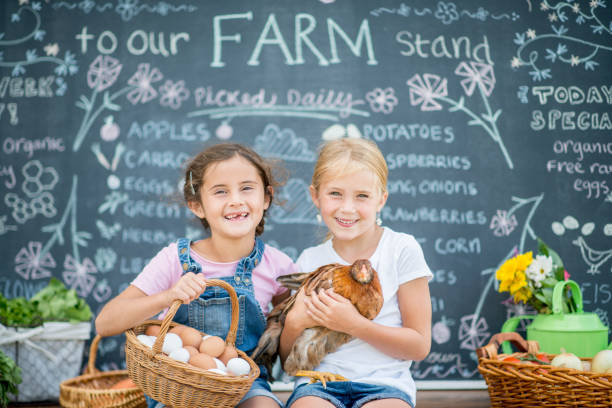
point(188, 288)
point(298, 314)
point(329, 309)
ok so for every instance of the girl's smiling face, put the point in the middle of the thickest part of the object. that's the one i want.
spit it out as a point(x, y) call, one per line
point(232, 198)
point(349, 203)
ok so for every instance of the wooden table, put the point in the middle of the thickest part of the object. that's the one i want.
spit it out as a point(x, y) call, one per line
point(425, 399)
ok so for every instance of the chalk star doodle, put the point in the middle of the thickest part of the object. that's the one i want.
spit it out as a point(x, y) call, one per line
point(64, 66)
point(428, 90)
point(583, 51)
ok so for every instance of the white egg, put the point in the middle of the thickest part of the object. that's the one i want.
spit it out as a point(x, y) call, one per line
point(172, 342)
point(146, 340)
point(180, 354)
point(219, 363)
point(238, 366)
point(217, 370)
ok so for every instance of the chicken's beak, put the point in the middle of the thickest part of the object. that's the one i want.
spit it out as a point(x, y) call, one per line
point(364, 275)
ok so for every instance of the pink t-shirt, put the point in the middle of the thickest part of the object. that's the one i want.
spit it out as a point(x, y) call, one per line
point(164, 270)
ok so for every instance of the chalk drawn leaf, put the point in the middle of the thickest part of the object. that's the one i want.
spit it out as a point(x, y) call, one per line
point(55, 229)
point(590, 65)
point(550, 55)
point(31, 55)
point(39, 35)
point(519, 38)
point(110, 105)
point(81, 237)
point(559, 30)
point(18, 70)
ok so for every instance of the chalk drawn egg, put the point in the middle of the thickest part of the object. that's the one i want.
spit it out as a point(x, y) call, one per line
point(352, 131)
point(570, 222)
point(224, 131)
point(333, 132)
point(113, 182)
point(607, 229)
point(440, 333)
point(558, 228)
point(588, 228)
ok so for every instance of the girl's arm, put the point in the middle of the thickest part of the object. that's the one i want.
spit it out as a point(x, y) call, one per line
point(133, 306)
point(412, 341)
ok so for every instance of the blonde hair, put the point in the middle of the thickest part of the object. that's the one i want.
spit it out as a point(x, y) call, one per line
point(346, 156)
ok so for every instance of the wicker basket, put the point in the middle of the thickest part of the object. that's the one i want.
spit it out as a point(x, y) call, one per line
point(514, 384)
point(182, 385)
point(93, 389)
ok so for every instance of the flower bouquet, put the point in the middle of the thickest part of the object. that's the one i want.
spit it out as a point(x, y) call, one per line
point(531, 280)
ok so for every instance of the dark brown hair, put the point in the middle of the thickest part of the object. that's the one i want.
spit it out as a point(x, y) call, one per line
point(194, 173)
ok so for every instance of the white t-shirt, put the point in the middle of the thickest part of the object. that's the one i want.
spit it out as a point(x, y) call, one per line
point(397, 259)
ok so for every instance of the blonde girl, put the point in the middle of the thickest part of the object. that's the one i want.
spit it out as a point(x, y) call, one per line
point(349, 190)
point(229, 187)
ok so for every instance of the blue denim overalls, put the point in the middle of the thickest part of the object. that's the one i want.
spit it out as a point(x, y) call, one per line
point(211, 312)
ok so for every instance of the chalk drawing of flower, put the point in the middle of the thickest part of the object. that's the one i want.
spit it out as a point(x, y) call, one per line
point(127, 9)
point(31, 264)
point(473, 332)
point(476, 73)
point(447, 12)
point(382, 100)
point(142, 80)
point(173, 94)
point(501, 224)
point(103, 72)
point(78, 275)
point(424, 90)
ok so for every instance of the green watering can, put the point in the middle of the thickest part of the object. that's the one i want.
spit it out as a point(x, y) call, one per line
point(580, 333)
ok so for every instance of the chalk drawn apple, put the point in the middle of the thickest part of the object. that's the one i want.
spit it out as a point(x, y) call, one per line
point(224, 131)
point(110, 130)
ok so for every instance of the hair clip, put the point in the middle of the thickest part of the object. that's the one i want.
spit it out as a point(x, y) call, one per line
point(191, 183)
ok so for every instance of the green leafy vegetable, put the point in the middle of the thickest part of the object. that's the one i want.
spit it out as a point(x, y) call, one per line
point(10, 377)
point(56, 303)
point(52, 303)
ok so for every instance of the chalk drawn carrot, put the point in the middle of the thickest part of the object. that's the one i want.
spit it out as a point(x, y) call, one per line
point(429, 90)
point(570, 49)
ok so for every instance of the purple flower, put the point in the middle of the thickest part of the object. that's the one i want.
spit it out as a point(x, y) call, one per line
point(476, 74)
point(382, 100)
point(142, 79)
point(424, 91)
point(103, 72)
point(30, 263)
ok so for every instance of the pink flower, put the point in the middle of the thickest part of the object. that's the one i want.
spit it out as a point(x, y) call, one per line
point(566, 274)
point(142, 80)
point(425, 90)
point(173, 94)
point(501, 224)
point(103, 72)
point(78, 275)
point(382, 100)
point(477, 74)
point(30, 263)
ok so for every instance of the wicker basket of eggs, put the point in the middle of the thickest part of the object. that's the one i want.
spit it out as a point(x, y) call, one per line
point(182, 367)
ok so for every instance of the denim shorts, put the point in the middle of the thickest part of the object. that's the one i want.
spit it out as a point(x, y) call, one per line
point(259, 387)
point(347, 394)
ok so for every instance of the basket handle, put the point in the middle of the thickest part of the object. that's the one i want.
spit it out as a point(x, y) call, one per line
point(231, 334)
point(490, 350)
point(93, 351)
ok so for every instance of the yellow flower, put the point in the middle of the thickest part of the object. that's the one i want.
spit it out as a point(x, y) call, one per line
point(512, 276)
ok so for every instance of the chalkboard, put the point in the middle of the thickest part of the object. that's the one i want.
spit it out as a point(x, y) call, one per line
point(494, 118)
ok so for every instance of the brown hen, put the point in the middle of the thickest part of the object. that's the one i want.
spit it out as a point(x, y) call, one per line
point(357, 282)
